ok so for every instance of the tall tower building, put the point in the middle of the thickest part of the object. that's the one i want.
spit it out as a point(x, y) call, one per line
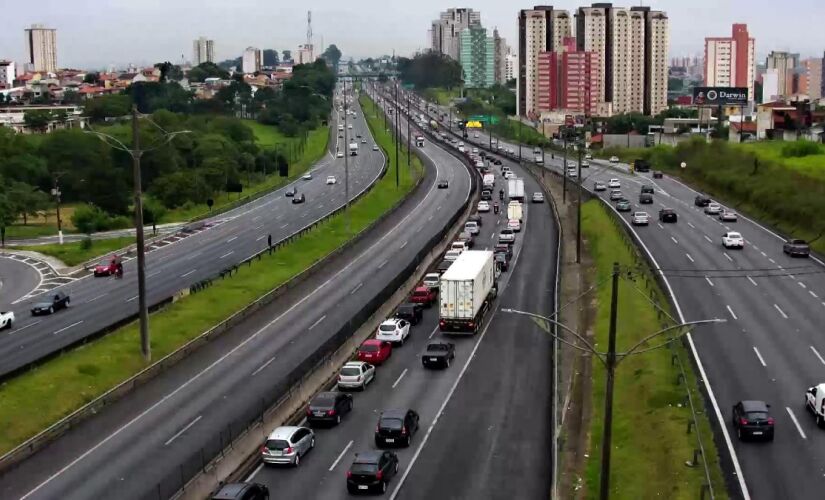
point(541, 29)
point(500, 58)
point(203, 50)
point(41, 48)
point(730, 61)
point(252, 60)
point(446, 30)
point(477, 58)
point(784, 63)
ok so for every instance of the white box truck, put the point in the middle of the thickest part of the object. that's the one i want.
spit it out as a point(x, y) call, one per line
point(515, 189)
point(489, 180)
point(514, 211)
point(465, 292)
point(353, 148)
point(419, 141)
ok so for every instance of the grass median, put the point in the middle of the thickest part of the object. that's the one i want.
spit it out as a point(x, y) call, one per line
point(650, 418)
point(37, 399)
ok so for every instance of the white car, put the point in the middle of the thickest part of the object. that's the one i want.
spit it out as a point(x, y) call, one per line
point(331, 179)
point(509, 175)
point(640, 219)
point(339, 154)
point(732, 239)
point(375, 147)
point(458, 245)
point(614, 184)
point(475, 135)
point(432, 280)
point(588, 156)
point(506, 236)
point(6, 319)
point(394, 330)
point(616, 194)
point(307, 176)
point(483, 206)
point(713, 209)
point(471, 227)
point(452, 255)
point(355, 375)
point(614, 159)
point(514, 224)
point(475, 151)
point(571, 172)
point(349, 126)
point(599, 186)
point(363, 141)
point(727, 216)
point(571, 164)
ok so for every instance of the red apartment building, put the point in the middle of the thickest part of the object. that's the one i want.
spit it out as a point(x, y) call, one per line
point(568, 80)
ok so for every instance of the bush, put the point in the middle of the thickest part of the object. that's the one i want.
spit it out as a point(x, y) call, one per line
point(801, 148)
point(90, 218)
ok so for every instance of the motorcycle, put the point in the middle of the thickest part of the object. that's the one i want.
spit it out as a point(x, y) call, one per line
point(501, 194)
point(495, 208)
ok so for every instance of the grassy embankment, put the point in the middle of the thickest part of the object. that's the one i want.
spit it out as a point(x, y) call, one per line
point(650, 445)
point(39, 398)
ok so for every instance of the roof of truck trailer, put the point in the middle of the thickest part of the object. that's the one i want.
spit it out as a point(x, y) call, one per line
point(468, 264)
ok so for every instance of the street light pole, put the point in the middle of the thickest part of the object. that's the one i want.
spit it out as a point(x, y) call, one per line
point(56, 194)
point(409, 149)
point(395, 135)
point(607, 433)
point(564, 167)
point(579, 212)
point(143, 311)
point(346, 158)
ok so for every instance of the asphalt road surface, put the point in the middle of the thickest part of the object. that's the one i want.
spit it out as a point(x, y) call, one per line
point(231, 238)
point(131, 446)
point(16, 280)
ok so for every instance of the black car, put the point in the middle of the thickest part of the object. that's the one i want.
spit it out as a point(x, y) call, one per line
point(657, 174)
point(701, 201)
point(410, 311)
point(438, 354)
point(497, 162)
point(486, 195)
point(504, 248)
point(371, 471)
point(475, 218)
point(443, 265)
point(647, 189)
point(443, 184)
point(646, 199)
point(291, 192)
point(502, 261)
point(467, 238)
point(396, 427)
point(752, 419)
point(57, 301)
point(242, 491)
point(327, 407)
point(299, 198)
point(667, 215)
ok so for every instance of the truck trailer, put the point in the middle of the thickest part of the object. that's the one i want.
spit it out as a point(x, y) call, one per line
point(515, 189)
point(465, 292)
point(353, 148)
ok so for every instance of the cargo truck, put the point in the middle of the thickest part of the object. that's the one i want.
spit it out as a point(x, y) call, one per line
point(515, 189)
point(466, 290)
point(514, 211)
point(640, 165)
point(353, 148)
point(419, 141)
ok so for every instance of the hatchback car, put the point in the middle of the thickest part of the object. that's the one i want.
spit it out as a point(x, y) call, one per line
point(50, 304)
point(396, 427)
point(328, 407)
point(411, 311)
point(616, 195)
point(732, 239)
point(753, 419)
point(291, 192)
point(471, 227)
point(507, 236)
point(623, 205)
point(726, 216)
point(537, 198)
point(713, 209)
point(394, 330)
point(242, 491)
point(667, 215)
point(371, 471)
point(104, 268)
point(640, 219)
point(514, 224)
point(286, 445)
point(483, 206)
point(614, 184)
point(356, 375)
point(298, 198)
point(374, 351)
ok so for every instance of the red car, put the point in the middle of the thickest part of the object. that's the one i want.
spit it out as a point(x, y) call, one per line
point(374, 351)
point(424, 295)
point(105, 268)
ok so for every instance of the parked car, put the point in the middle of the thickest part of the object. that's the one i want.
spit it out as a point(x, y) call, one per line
point(438, 354)
point(300, 198)
point(356, 375)
point(732, 239)
point(410, 311)
point(667, 215)
point(396, 427)
point(51, 304)
point(701, 201)
point(424, 294)
point(286, 445)
point(752, 419)
point(640, 219)
point(328, 407)
point(394, 330)
point(796, 248)
point(623, 205)
point(727, 216)
point(242, 491)
point(374, 351)
point(371, 471)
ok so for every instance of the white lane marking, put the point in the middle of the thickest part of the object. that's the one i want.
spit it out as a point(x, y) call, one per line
point(230, 240)
point(819, 356)
point(763, 253)
point(67, 327)
point(751, 280)
point(802, 285)
point(399, 378)
point(796, 423)
point(331, 467)
point(689, 257)
point(187, 274)
point(263, 366)
point(193, 255)
point(691, 225)
point(709, 281)
point(732, 313)
point(255, 472)
point(706, 237)
point(25, 326)
point(183, 430)
point(153, 274)
point(285, 225)
point(318, 321)
point(772, 261)
point(382, 264)
point(259, 226)
point(492, 236)
point(761, 360)
point(674, 240)
point(227, 254)
point(403, 245)
point(132, 298)
point(433, 332)
point(727, 256)
point(661, 226)
point(813, 294)
point(781, 311)
point(259, 238)
point(96, 297)
point(356, 288)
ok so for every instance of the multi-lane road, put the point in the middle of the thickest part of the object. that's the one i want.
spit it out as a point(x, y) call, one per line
point(227, 239)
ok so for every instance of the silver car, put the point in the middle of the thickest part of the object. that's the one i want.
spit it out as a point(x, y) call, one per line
point(640, 219)
point(286, 445)
point(356, 375)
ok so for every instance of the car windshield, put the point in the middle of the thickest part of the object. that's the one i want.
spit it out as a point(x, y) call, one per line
point(387, 328)
point(364, 468)
point(350, 371)
point(391, 423)
point(369, 348)
point(277, 444)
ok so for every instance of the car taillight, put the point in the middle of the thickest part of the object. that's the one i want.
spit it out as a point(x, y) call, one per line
point(379, 475)
point(441, 322)
point(309, 412)
point(288, 450)
point(743, 421)
point(349, 474)
point(330, 412)
point(263, 448)
point(770, 420)
point(377, 429)
point(404, 431)
point(471, 324)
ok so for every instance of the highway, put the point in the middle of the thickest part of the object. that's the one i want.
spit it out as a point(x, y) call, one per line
point(16, 280)
point(771, 347)
point(223, 242)
point(472, 415)
point(140, 441)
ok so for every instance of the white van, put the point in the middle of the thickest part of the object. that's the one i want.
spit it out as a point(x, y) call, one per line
point(815, 401)
point(471, 227)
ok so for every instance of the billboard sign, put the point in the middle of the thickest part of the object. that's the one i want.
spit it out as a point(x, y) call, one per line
point(720, 96)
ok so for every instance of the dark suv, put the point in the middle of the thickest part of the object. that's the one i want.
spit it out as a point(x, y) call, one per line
point(701, 201)
point(242, 491)
point(396, 427)
point(371, 471)
point(645, 198)
point(327, 407)
point(752, 419)
point(411, 312)
point(667, 215)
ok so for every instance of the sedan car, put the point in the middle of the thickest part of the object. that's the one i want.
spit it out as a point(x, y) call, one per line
point(376, 351)
point(299, 198)
point(410, 311)
point(623, 205)
point(732, 239)
point(291, 192)
point(726, 216)
point(614, 159)
point(478, 219)
point(501, 261)
point(514, 224)
point(375, 147)
point(537, 198)
point(363, 141)
point(599, 186)
point(505, 249)
point(614, 184)
point(371, 471)
point(328, 407)
point(104, 268)
point(471, 227)
point(646, 199)
point(443, 184)
point(713, 209)
point(396, 427)
point(667, 215)
point(331, 179)
point(339, 154)
point(483, 206)
point(616, 195)
point(752, 419)
point(286, 445)
point(486, 195)
point(394, 330)
point(51, 304)
point(507, 236)
point(657, 174)
point(355, 375)
point(509, 175)
point(308, 176)
point(431, 280)
point(701, 201)
point(640, 219)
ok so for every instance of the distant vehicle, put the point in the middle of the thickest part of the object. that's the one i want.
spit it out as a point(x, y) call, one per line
point(371, 471)
point(396, 427)
point(286, 445)
point(331, 179)
point(486, 195)
point(727, 216)
point(340, 127)
point(515, 211)
point(599, 186)
point(410, 311)
point(502, 261)
point(328, 407)
point(815, 401)
point(614, 184)
point(640, 165)
point(419, 141)
point(49, 305)
point(443, 184)
point(466, 290)
point(307, 176)
point(353, 148)
point(355, 375)
point(394, 330)
point(539, 160)
point(471, 227)
point(349, 126)
point(364, 141)
point(339, 154)
point(458, 245)
point(431, 280)
point(507, 236)
point(477, 218)
point(375, 147)
point(615, 194)
point(374, 351)
point(537, 198)
point(614, 159)
point(796, 248)
point(242, 491)
point(585, 164)
point(452, 254)
point(438, 354)
point(732, 239)
point(425, 295)
point(657, 174)
point(483, 206)
point(572, 172)
point(647, 189)
point(667, 215)
point(514, 224)
point(299, 198)
point(515, 189)
point(475, 151)
point(508, 175)
point(505, 249)
point(713, 209)
point(646, 199)
point(701, 201)
point(752, 419)
point(6, 319)
point(104, 268)
point(623, 205)
point(640, 219)
point(588, 156)
point(290, 192)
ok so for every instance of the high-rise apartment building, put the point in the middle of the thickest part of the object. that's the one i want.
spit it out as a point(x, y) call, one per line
point(252, 60)
point(784, 63)
point(568, 80)
point(7, 74)
point(499, 58)
point(203, 50)
point(541, 29)
point(730, 61)
point(41, 48)
point(305, 54)
point(477, 57)
point(510, 67)
point(446, 30)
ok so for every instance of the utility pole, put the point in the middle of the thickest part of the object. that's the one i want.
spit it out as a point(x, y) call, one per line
point(56, 193)
point(143, 310)
point(409, 149)
point(395, 134)
point(579, 213)
point(346, 157)
point(607, 434)
point(564, 167)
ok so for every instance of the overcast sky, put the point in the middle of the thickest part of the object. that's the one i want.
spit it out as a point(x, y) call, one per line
point(96, 33)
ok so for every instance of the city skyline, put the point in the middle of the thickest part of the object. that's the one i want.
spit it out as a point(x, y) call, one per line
point(153, 32)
